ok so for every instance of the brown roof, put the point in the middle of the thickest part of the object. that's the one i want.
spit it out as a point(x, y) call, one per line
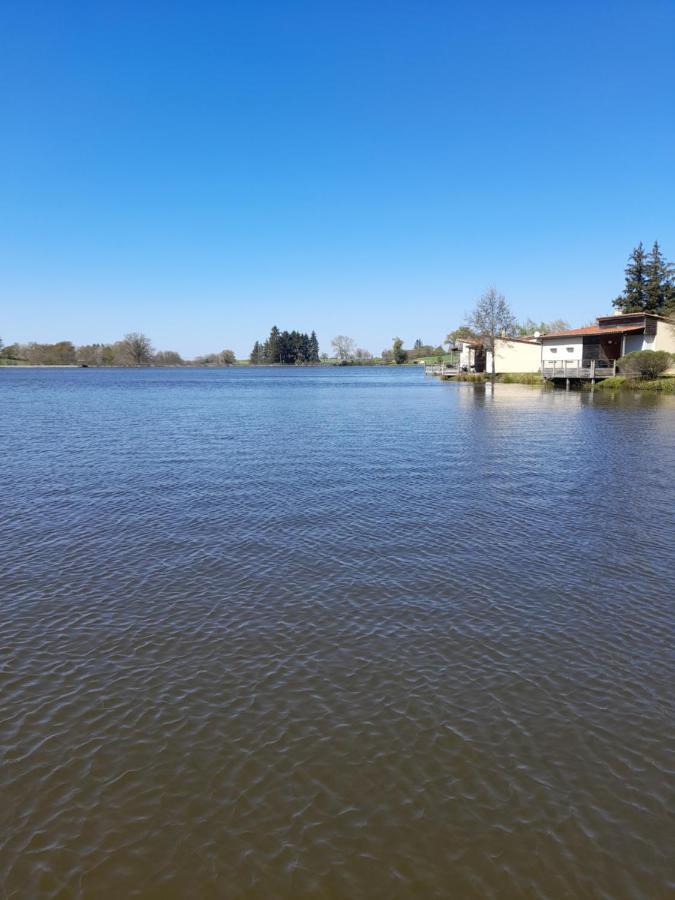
point(632, 315)
point(594, 329)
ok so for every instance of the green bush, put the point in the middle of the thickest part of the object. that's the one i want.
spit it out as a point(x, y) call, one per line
point(645, 363)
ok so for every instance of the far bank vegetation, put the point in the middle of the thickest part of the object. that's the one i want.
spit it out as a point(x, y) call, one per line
point(133, 350)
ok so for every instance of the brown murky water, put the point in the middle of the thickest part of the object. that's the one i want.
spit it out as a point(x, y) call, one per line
point(336, 633)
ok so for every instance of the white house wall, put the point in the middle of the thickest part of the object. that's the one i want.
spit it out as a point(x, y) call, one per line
point(665, 340)
point(466, 356)
point(561, 349)
point(514, 356)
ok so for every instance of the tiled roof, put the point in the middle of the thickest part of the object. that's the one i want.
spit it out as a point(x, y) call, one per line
point(593, 330)
point(632, 315)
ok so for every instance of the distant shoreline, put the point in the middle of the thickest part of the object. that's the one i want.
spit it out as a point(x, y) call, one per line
point(235, 366)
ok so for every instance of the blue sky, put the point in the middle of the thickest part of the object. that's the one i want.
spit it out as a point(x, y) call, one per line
point(200, 171)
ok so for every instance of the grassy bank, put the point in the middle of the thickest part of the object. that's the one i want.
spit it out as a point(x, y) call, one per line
point(665, 384)
point(506, 378)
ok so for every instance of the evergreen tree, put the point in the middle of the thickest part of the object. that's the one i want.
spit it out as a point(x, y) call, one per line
point(634, 295)
point(285, 351)
point(660, 282)
point(305, 349)
point(273, 346)
point(286, 347)
point(313, 348)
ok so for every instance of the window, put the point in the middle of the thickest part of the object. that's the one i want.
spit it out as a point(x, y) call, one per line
point(553, 349)
point(569, 349)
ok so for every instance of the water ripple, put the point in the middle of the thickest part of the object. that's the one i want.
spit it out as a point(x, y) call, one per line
point(333, 634)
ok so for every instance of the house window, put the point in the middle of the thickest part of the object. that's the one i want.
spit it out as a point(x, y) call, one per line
point(553, 349)
point(569, 349)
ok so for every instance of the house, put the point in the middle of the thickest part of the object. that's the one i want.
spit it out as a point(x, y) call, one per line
point(470, 355)
point(515, 354)
point(592, 352)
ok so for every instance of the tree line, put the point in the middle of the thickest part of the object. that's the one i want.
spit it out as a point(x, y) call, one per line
point(347, 353)
point(286, 348)
point(134, 349)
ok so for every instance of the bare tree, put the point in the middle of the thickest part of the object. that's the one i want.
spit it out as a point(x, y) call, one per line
point(168, 358)
point(491, 319)
point(137, 348)
point(344, 347)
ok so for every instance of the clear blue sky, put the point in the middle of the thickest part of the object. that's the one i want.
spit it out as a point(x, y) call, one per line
point(201, 171)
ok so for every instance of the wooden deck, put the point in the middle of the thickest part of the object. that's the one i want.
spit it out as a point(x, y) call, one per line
point(577, 368)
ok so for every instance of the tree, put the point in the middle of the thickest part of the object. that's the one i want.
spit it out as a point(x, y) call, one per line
point(634, 295)
point(168, 358)
point(463, 333)
point(529, 326)
point(313, 348)
point(107, 355)
point(272, 349)
point(256, 356)
point(660, 282)
point(387, 356)
point(90, 355)
point(399, 354)
point(645, 363)
point(228, 358)
point(491, 319)
point(344, 347)
point(137, 349)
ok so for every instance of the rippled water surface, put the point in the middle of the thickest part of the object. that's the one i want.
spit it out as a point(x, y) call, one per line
point(333, 633)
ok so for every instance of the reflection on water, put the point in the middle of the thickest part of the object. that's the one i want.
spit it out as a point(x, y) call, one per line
point(333, 633)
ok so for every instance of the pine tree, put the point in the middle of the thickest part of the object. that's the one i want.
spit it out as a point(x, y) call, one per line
point(634, 295)
point(257, 353)
point(313, 348)
point(272, 346)
point(660, 282)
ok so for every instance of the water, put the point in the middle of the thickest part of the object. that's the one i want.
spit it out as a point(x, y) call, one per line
point(333, 633)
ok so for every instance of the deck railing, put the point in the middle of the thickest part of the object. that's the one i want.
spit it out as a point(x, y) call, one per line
point(440, 369)
point(578, 368)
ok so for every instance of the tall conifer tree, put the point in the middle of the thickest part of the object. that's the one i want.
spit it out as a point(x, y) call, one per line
point(634, 295)
point(313, 348)
point(660, 279)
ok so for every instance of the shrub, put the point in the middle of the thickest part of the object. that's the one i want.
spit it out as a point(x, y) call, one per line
point(645, 363)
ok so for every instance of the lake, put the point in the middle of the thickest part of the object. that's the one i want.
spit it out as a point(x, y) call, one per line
point(334, 633)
